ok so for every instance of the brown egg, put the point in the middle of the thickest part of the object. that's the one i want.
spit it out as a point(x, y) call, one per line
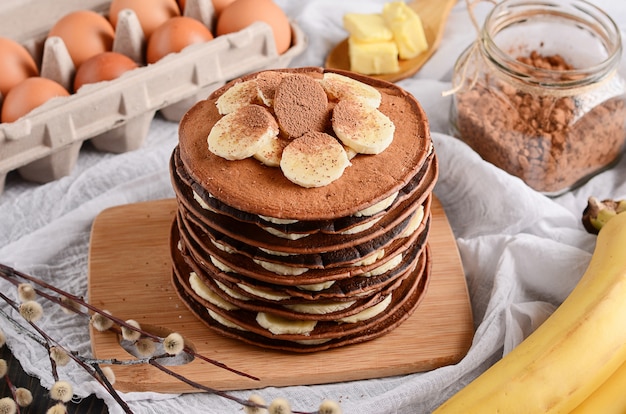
point(150, 13)
point(103, 67)
point(85, 34)
point(174, 35)
point(242, 13)
point(16, 64)
point(28, 95)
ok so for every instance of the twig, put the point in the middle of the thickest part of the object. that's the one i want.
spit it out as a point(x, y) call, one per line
point(93, 366)
point(10, 274)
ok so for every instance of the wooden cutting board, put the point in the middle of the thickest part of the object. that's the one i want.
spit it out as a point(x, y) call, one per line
point(129, 275)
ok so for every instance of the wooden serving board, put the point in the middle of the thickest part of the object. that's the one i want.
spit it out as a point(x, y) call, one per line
point(129, 275)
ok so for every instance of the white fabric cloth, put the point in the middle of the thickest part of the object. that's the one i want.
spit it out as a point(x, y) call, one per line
point(522, 251)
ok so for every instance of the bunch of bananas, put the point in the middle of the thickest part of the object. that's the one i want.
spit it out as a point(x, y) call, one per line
point(575, 362)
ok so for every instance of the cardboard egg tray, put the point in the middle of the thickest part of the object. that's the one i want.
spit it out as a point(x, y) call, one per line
point(115, 115)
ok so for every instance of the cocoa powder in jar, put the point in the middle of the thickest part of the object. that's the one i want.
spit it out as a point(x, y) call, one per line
point(551, 141)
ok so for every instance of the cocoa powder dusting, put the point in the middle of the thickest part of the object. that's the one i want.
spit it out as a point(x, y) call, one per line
point(344, 115)
point(301, 105)
point(253, 119)
point(544, 139)
point(313, 142)
point(267, 83)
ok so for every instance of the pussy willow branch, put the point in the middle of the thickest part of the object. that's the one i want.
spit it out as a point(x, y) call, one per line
point(47, 340)
point(212, 390)
point(88, 364)
point(10, 274)
point(21, 328)
point(13, 390)
point(12, 279)
point(92, 366)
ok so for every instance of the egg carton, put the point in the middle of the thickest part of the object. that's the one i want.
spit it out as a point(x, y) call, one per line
point(115, 115)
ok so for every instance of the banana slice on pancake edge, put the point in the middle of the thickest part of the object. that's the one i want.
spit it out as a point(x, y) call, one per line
point(240, 134)
point(248, 128)
point(340, 87)
point(314, 160)
point(374, 132)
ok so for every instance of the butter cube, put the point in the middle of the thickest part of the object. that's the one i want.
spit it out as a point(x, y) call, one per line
point(367, 27)
point(407, 29)
point(373, 58)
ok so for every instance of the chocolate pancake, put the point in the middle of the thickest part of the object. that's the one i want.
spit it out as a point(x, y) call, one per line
point(189, 190)
point(289, 308)
point(406, 299)
point(204, 252)
point(386, 232)
point(343, 289)
point(311, 246)
point(248, 185)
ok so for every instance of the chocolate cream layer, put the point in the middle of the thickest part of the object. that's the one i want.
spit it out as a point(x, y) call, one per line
point(244, 325)
point(330, 309)
point(366, 280)
point(204, 251)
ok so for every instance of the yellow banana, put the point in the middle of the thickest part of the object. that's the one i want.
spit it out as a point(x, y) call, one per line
point(610, 398)
point(571, 354)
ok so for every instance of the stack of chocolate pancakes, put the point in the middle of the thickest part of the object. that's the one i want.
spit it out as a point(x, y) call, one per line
point(273, 263)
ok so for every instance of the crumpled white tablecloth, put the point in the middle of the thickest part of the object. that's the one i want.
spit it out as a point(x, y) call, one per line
point(522, 252)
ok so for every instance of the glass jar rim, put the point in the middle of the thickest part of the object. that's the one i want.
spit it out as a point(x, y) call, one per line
point(507, 13)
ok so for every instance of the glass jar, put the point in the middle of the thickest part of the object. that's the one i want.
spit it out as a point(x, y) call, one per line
point(539, 94)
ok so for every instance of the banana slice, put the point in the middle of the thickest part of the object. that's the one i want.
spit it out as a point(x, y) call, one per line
point(271, 153)
point(384, 268)
point(263, 293)
point(277, 220)
point(368, 313)
point(315, 159)
point(283, 326)
point(316, 287)
point(283, 235)
point(221, 265)
point(219, 318)
point(230, 292)
point(238, 96)
point(319, 308)
point(281, 269)
point(276, 252)
point(223, 247)
point(373, 132)
point(350, 152)
point(340, 87)
point(414, 224)
point(371, 258)
point(242, 133)
point(203, 203)
point(378, 207)
point(267, 83)
point(206, 293)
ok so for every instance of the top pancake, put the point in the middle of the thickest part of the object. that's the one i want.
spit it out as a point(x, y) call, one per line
point(250, 186)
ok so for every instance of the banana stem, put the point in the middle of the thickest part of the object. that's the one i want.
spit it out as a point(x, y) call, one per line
point(598, 213)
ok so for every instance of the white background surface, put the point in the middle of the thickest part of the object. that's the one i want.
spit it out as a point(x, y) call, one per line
point(522, 252)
